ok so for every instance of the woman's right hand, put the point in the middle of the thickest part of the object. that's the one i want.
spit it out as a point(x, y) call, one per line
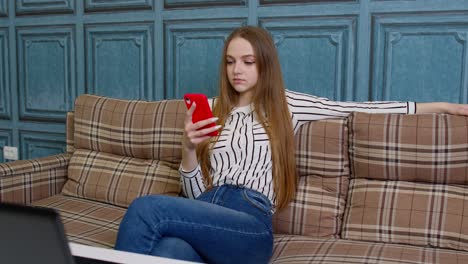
point(193, 134)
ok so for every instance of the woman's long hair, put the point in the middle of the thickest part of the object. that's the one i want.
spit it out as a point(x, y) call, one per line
point(271, 109)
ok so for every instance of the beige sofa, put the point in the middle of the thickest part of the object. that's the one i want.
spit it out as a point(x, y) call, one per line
point(380, 188)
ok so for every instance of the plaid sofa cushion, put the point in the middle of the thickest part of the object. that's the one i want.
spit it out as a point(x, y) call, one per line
point(409, 180)
point(118, 180)
point(86, 222)
point(301, 249)
point(407, 212)
point(123, 149)
point(131, 128)
point(323, 168)
point(425, 148)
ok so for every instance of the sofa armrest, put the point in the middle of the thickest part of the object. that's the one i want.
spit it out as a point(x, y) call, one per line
point(26, 181)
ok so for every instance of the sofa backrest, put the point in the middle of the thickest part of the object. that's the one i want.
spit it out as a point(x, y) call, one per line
point(123, 149)
point(409, 180)
point(323, 170)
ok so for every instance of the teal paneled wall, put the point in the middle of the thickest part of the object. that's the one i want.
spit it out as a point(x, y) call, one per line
point(53, 51)
point(193, 53)
point(423, 58)
point(119, 60)
point(46, 72)
point(315, 53)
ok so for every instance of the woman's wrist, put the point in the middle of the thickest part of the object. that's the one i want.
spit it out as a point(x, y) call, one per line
point(189, 158)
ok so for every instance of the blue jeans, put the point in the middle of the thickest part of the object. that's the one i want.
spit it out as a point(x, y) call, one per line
point(226, 224)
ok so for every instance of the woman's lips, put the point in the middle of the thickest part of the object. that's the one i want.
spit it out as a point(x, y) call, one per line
point(238, 81)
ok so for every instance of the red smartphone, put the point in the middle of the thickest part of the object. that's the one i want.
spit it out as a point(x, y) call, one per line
point(202, 110)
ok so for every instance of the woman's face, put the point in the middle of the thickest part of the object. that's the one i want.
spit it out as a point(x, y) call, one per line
point(241, 69)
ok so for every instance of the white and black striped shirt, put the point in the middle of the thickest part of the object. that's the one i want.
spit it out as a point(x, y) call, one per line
point(242, 155)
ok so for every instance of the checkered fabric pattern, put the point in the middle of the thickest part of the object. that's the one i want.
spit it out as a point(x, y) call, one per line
point(428, 148)
point(25, 181)
point(85, 221)
point(130, 128)
point(409, 180)
point(124, 149)
point(118, 180)
point(301, 249)
point(407, 212)
point(323, 168)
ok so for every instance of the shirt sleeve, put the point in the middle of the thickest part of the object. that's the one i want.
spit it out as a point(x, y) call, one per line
point(192, 182)
point(305, 107)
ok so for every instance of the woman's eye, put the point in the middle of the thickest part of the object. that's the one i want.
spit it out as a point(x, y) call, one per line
point(250, 62)
point(229, 62)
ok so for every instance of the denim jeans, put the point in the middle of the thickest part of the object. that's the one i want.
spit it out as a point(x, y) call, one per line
point(226, 224)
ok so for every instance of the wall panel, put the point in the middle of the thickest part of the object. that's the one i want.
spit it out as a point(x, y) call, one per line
point(202, 3)
point(3, 8)
point(193, 51)
point(98, 5)
point(289, 2)
point(5, 140)
point(421, 58)
point(44, 6)
point(46, 71)
point(119, 60)
point(316, 54)
point(41, 144)
point(4, 74)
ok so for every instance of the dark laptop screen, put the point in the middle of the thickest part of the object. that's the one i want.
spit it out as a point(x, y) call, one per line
point(32, 235)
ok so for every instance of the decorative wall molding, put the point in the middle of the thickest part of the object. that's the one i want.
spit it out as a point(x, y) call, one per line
point(289, 2)
point(100, 5)
point(5, 140)
point(411, 41)
point(4, 76)
point(40, 144)
point(119, 60)
point(3, 8)
point(325, 64)
point(202, 3)
point(193, 54)
point(24, 7)
point(46, 66)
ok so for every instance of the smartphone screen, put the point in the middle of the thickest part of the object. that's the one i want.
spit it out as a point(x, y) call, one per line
point(202, 110)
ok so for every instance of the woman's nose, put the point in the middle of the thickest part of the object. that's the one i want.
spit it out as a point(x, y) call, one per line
point(237, 68)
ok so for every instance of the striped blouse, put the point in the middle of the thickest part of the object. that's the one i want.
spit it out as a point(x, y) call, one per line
point(242, 155)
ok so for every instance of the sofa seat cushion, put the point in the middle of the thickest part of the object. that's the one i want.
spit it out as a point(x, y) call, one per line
point(407, 212)
point(302, 249)
point(86, 222)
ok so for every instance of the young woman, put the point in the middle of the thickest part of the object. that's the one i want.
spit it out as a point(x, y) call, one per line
point(237, 180)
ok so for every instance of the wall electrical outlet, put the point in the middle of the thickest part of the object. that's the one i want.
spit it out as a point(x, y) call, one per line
point(10, 153)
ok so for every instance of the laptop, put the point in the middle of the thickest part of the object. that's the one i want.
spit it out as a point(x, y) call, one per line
point(35, 235)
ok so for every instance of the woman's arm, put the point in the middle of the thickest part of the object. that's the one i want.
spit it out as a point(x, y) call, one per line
point(442, 107)
point(190, 171)
point(305, 107)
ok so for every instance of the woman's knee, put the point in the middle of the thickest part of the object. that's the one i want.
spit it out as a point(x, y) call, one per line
point(140, 204)
point(151, 207)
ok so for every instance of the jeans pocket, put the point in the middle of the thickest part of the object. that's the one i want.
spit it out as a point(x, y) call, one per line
point(258, 200)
